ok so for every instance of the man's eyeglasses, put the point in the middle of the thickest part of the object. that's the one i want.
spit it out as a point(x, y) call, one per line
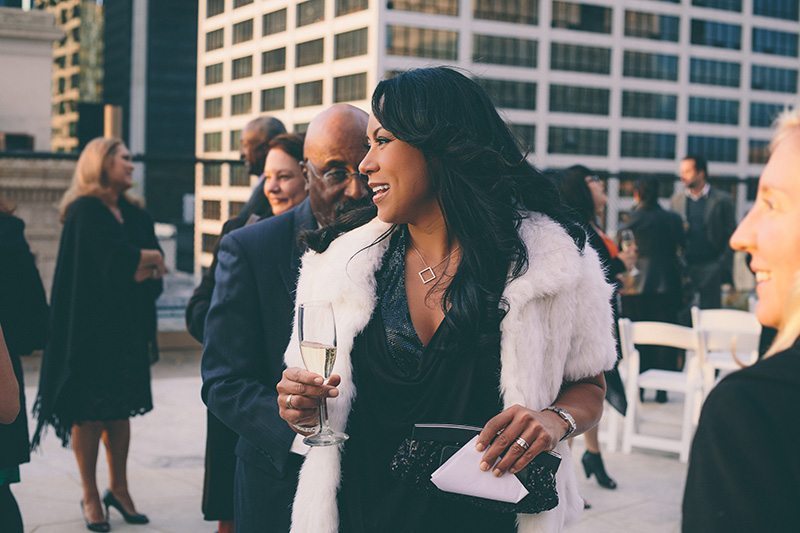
point(333, 177)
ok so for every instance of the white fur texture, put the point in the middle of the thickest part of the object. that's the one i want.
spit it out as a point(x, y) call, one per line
point(558, 327)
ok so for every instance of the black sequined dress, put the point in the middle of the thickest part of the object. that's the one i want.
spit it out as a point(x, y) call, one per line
point(400, 382)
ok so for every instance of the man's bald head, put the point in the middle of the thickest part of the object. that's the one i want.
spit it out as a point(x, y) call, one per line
point(255, 140)
point(335, 140)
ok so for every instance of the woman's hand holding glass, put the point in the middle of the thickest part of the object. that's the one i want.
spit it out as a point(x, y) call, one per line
point(299, 393)
point(518, 435)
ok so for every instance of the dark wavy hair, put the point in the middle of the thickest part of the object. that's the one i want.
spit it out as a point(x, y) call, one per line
point(483, 182)
point(575, 192)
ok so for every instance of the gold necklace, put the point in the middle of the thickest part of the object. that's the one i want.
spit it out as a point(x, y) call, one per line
point(427, 274)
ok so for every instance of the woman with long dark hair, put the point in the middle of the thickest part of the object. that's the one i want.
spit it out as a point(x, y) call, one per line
point(585, 194)
point(96, 366)
point(469, 299)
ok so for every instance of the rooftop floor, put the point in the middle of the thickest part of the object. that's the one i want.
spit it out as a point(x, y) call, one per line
point(166, 470)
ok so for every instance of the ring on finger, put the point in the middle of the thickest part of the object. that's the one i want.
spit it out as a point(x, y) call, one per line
point(289, 402)
point(522, 443)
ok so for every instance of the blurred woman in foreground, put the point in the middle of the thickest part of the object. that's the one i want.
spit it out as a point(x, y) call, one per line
point(744, 472)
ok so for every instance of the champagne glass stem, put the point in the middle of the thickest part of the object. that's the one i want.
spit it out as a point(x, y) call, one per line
point(323, 416)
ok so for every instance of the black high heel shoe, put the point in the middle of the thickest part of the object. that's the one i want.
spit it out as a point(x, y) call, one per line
point(593, 464)
point(109, 500)
point(102, 527)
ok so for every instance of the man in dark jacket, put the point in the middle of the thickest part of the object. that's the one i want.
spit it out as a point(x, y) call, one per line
point(250, 321)
point(709, 220)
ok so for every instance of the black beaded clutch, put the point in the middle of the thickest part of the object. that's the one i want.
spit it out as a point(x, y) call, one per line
point(431, 445)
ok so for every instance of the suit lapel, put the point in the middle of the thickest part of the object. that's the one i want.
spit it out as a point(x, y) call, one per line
point(303, 220)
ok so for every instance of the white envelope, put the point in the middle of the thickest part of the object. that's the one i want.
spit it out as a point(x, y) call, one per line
point(461, 474)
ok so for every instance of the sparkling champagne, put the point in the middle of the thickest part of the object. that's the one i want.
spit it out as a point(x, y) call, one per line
point(318, 357)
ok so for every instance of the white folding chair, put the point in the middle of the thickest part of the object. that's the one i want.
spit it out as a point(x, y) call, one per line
point(687, 382)
point(730, 339)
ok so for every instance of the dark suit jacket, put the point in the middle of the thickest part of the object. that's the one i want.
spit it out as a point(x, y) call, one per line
point(659, 235)
point(720, 222)
point(247, 331)
point(744, 470)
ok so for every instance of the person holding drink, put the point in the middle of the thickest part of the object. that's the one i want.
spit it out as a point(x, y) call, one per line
point(471, 298)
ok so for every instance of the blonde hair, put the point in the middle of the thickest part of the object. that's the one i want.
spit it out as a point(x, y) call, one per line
point(90, 178)
point(787, 124)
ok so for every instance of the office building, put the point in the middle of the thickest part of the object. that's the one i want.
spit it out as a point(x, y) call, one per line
point(626, 88)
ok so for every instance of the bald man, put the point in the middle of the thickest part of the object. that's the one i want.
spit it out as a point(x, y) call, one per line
point(250, 321)
point(253, 148)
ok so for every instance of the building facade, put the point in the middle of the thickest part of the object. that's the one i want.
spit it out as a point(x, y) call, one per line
point(624, 87)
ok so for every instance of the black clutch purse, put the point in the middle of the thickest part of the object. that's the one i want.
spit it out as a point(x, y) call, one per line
point(431, 445)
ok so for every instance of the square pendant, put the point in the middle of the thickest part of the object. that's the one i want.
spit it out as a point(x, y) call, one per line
point(427, 275)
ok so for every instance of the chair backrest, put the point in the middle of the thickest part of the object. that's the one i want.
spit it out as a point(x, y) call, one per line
point(657, 334)
point(724, 326)
point(744, 345)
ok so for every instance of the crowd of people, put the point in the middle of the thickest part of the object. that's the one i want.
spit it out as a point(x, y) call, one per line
point(468, 289)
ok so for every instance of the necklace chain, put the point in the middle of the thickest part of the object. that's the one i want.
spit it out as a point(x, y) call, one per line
point(427, 274)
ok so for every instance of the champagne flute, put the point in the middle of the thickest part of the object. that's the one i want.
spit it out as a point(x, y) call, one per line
point(627, 240)
point(317, 331)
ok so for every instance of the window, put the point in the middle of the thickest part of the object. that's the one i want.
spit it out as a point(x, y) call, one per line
point(780, 9)
point(649, 105)
point(516, 11)
point(212, 209)
point(309, 93)
point(582, 141)
point(273, 60)
point(75, 81)
point(781, 80)
point(780, 43)
point(758, 151)
point(712, 72)
point(62, 85)
point(212, 174)
point(76, 59)
point(242, 31)
point(209, 242)
point(240, 3)
point(716, 34)
point(273, 99)
point(525, 135)
point(309, 53)
point(421, 42)
point(714, 148)
point(240, 177)
point(727, 5)
point(235, 139)
point(214, 74)
point(504, 50)
point(242, 68)
point(580, 58)
point(713, 111)
point(234, 208)
point(300, 127)
point(572, 99)
point(213, 108)
point(345, 7)
point(350, 44)
point(310, 11)
point(215, 39)
point(647, 145)
point(651, 66)
point(652, 26)
point(510, 94)
point(762, 114)
point(241, 103)
point(350, 88)
point(274, 22)
point(433, 7)
point(212, 142)
point(581, 17)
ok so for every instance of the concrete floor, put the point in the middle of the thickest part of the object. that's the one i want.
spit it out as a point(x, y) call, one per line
point(166, 470)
